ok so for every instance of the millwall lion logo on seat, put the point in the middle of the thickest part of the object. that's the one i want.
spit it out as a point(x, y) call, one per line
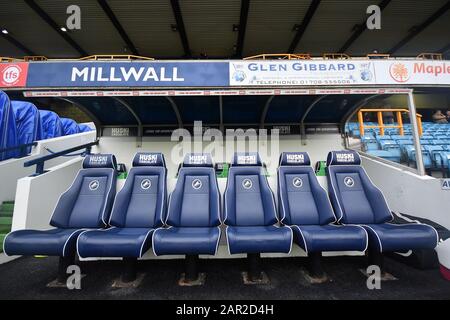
point(297, 182)
point(247, 183)
point(349, 182)
point(146, 184)
point(196, 184)
point(93, 185)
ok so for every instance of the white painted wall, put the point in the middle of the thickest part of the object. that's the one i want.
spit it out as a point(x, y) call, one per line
point(36, 197)
point(11, 170)
point(408, 193)
point(318, 146)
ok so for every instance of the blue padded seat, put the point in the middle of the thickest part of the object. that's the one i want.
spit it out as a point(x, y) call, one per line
point(193, 216)
point(250, 213)
point(138, 210)
point(356, 200)
point(85, 205)
point(305, 207)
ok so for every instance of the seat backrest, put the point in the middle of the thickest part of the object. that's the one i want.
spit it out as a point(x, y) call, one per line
point(195, 201)
point(87, 203)
point(248, 198)
point(354, 197)
point(301, 199)
point(141, 203)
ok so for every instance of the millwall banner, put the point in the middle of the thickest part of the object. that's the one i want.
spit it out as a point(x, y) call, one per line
point(128, 74)
point(222, 74)
point(302, 73)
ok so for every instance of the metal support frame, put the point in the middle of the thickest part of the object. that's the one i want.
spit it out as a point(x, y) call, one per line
point(191, 267)
point(314, 265)
point(221, 126)
point(302, 120)
point(245, 4)
point(64, 263)
point(254, 266)
point(130, 270)
point(176, 110)
point(351, 112)
point(264, 112)
point(135, 115)
point(84, 109)
point(416, 134)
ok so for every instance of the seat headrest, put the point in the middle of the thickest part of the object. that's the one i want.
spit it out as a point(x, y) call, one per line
point(294, 159)
point(197, 160)
point(149, 159)
point(246, 159)
point(344, 157)
point(100, 161)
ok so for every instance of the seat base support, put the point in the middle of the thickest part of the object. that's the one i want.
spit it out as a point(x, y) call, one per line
point(130, 270)
point(64, 263)
point(254, 273)
point(315, 273)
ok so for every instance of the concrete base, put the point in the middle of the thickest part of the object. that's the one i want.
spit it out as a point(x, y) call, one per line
point(183, 282)
point(385, 276)
point(57, 284)
point(315, 280)
point(118, 283)
point(263, 280)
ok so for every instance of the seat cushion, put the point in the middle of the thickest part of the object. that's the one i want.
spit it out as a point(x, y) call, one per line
point(330, 238)
point(387, 237)
point(186, 240)
point(53, 242)
point(259, 239)
point(114, 242)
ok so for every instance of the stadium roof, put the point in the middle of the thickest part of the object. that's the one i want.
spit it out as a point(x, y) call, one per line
point(222, 29)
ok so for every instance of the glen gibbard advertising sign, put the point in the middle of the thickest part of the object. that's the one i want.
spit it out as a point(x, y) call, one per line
point(302, 73)
point(338, 73)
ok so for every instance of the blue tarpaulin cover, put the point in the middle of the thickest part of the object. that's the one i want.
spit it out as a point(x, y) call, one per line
point(28, 122)
point(84, 128)
point(69, 126)
point(8, 134)
point(51, 124)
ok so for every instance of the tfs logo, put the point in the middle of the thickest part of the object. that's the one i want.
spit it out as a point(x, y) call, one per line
point(13, 75)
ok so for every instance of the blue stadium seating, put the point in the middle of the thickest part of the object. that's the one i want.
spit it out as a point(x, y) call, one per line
point(305, 207)
point(51, 124)
point(8, 130)
point(139, 208)
point(435, 136)
point(356, 200)
point(193, 217)
point(69, 126)
point(250, 213)
point(85, 205)
point(28, 123)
